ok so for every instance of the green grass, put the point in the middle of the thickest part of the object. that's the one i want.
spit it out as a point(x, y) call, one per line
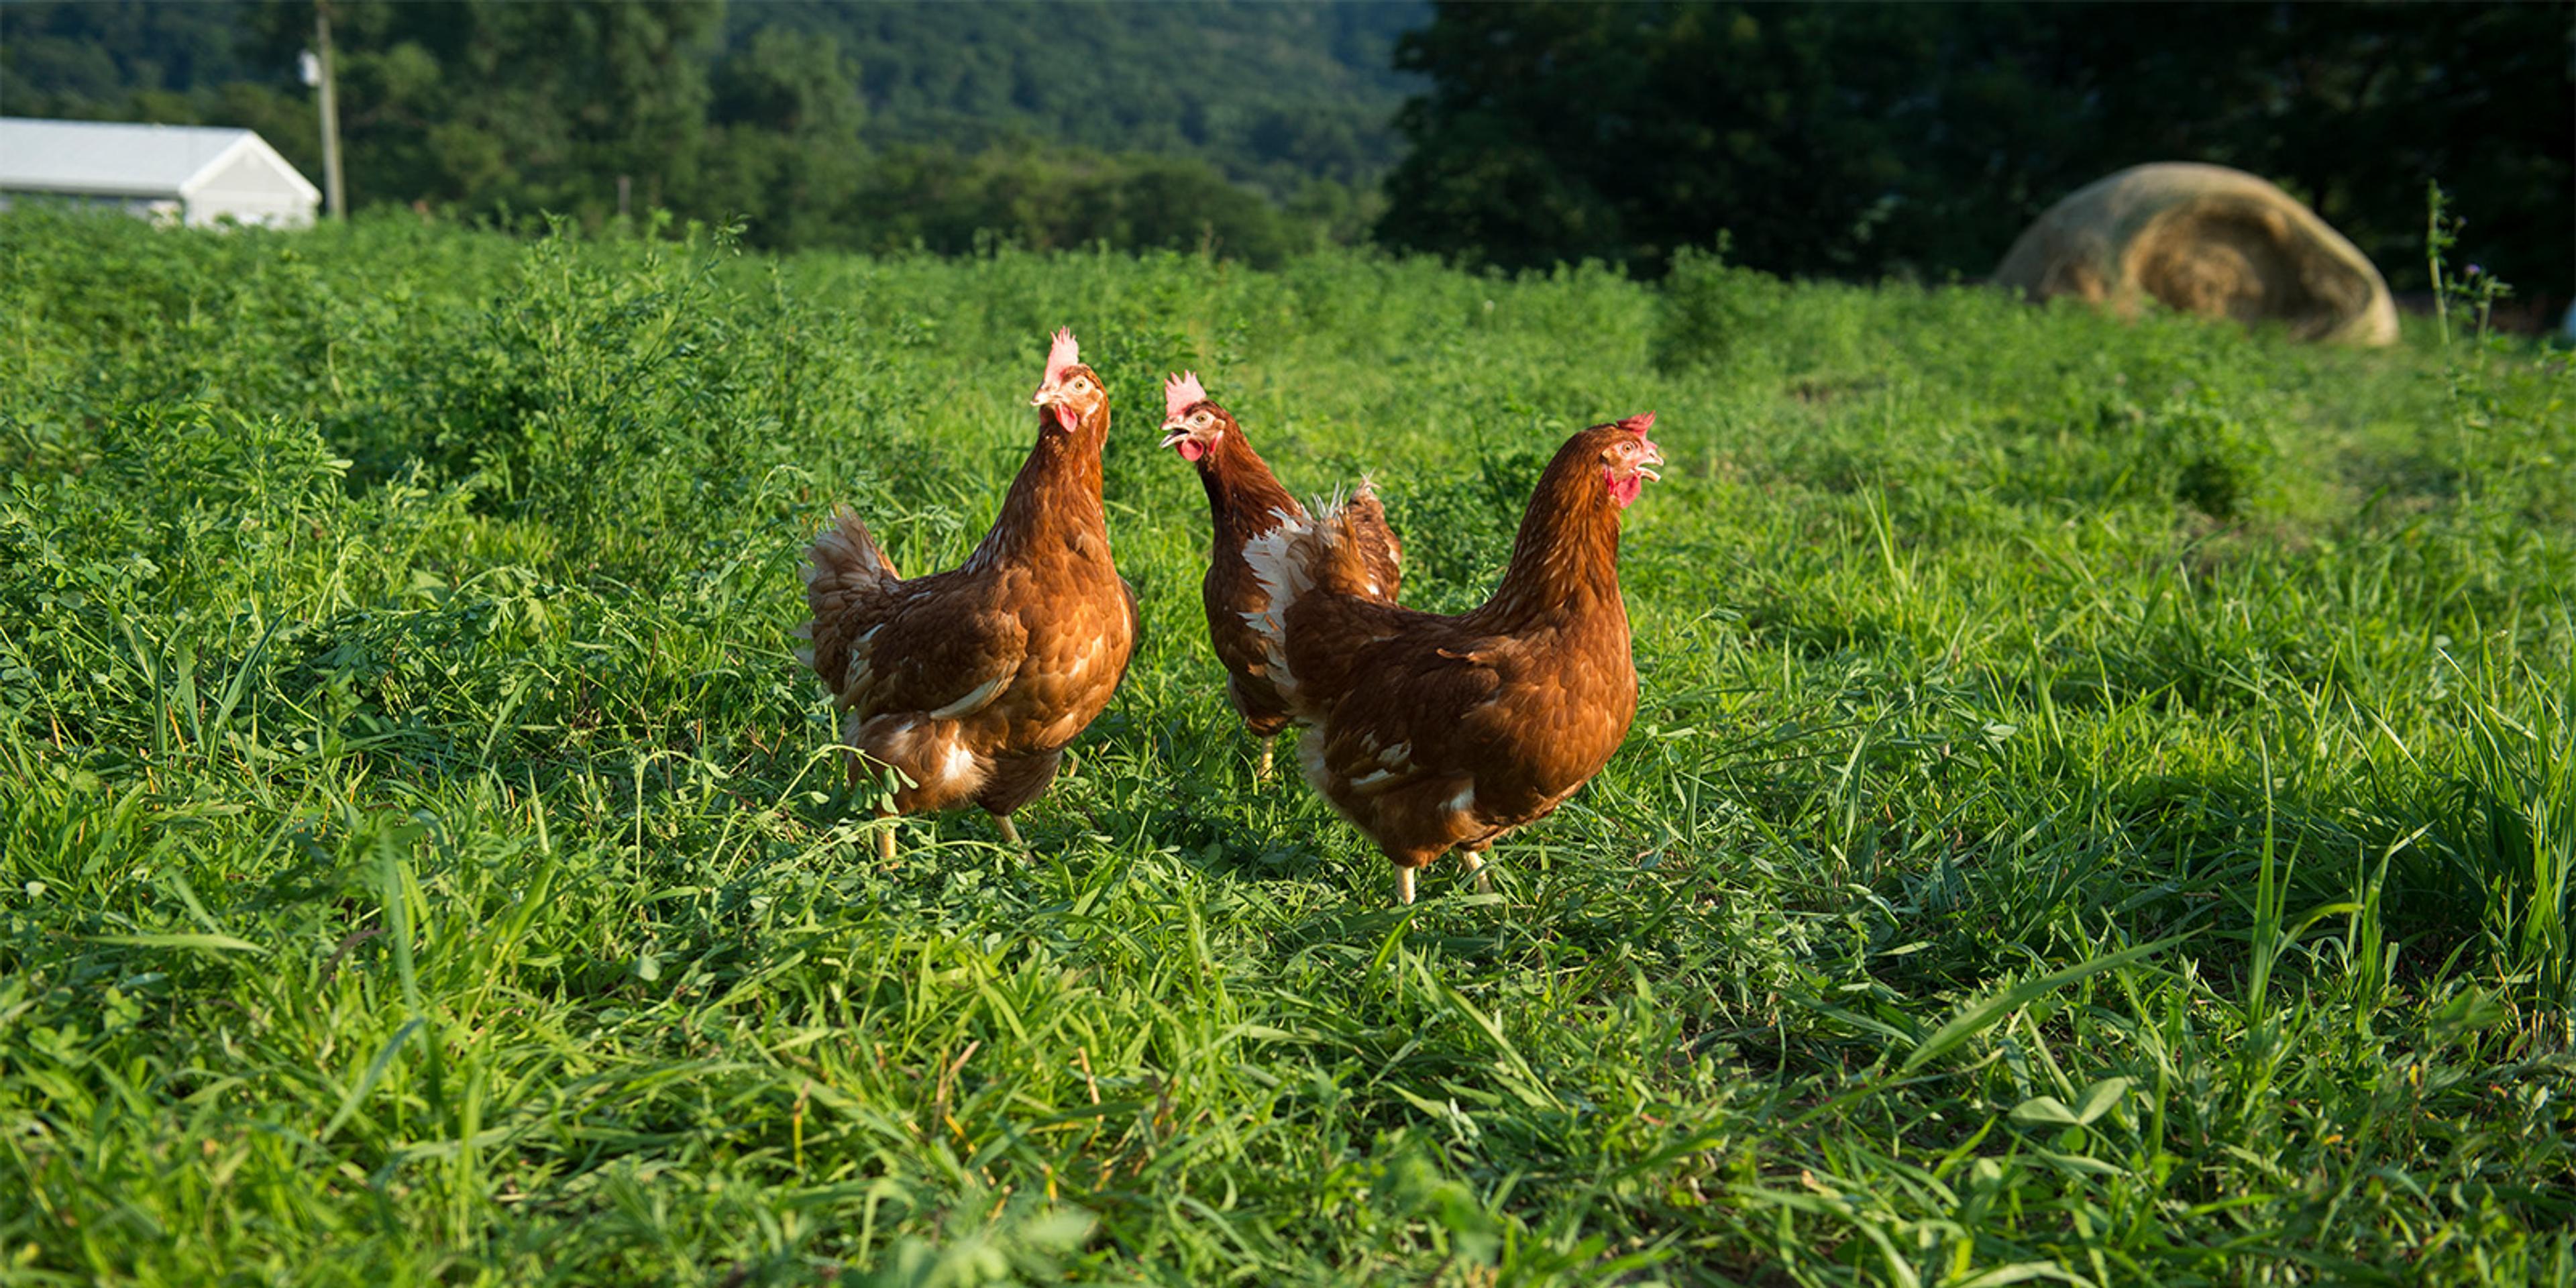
point(2102, 807)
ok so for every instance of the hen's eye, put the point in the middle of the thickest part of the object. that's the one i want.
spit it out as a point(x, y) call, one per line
point(1079, 384)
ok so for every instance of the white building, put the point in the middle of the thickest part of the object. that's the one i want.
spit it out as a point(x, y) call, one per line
point(193, 174)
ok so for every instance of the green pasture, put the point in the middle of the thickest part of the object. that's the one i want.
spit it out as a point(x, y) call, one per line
point(2102, 808)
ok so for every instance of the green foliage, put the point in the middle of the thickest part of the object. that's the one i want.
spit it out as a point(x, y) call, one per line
point(1920, 139)
point(1274, 95)
point(937, 200)
point(84, 59)
point(2099, 808)
point(1729, 316)
point(1255, 130)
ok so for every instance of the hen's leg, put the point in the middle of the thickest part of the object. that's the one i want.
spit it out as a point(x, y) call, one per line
point(1475, 861)
point(859, 774)
point(1265, 729)
point(1404, 886)
point(1014, 783)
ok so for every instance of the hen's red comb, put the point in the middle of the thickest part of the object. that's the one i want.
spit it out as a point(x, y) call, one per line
point(1181, 392)
point(1063, 354)
point(1639, 423)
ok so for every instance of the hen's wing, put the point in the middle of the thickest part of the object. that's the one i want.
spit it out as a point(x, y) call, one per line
point(1415, 723)
point(1439, 737)
point(883, 644)
point(940, 653)
point(1231, 594)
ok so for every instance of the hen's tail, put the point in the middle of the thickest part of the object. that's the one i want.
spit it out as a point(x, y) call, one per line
point(844, 572)
point(1383, 554)
point(1335, 573)
point(1337, 553)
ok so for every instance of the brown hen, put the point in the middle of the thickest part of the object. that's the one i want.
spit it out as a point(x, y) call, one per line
point(970, 682)
point(1432, 733)
point(1245, 502)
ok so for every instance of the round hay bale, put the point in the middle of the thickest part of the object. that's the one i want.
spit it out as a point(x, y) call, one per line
point(2203, 239)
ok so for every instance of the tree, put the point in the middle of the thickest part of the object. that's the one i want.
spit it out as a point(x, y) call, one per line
point(477, 105)
point(782, 142)
point(1188, 124)
point(1873, 138)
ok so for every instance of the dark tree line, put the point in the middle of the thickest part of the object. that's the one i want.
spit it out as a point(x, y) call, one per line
point(1848, 139)
point(1254, 129)
point(1875, 138)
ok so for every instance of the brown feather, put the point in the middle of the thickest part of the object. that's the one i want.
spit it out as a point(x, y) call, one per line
point(971, 681)
point(1432, 732)
point(1245, 502)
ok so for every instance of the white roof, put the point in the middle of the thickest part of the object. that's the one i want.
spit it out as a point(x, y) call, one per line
point(115, 158)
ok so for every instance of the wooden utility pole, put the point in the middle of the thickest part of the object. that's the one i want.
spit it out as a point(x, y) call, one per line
point(331, 189)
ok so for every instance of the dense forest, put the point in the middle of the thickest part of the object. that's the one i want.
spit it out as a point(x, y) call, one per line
point(1255, 129)
point(1869, 138)
point(1848, 140)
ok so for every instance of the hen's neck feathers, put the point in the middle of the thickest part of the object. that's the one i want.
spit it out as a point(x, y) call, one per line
point(1565, 562)
point(1054, 504)
point(1244, 497)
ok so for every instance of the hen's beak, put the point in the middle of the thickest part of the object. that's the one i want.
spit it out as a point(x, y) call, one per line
point(1047, 396)
point(1174, 435)
point(1654, 456)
